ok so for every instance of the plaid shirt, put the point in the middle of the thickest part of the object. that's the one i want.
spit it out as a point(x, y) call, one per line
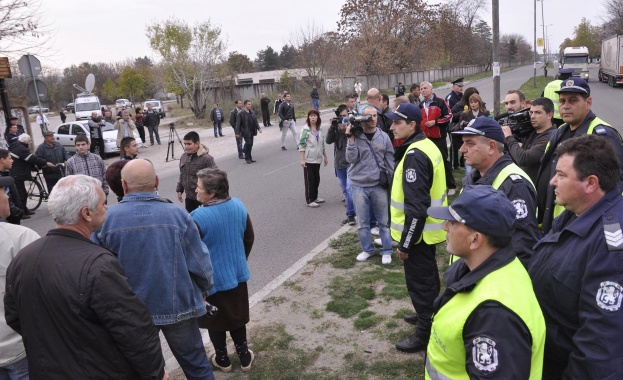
point(89, 164)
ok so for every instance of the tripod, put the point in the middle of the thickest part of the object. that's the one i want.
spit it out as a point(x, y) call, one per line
point(171, 143)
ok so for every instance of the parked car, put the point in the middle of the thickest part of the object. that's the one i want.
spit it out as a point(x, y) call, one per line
point(123, 103)
point(65, 134)
point(35, 109)
point(70, 107)
point(156, 106)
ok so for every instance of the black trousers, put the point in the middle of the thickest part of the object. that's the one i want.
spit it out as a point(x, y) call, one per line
point(265, 117)
point(219, 339)
point(21, 191)
point(422, 279)
point(191, 204)
point(248, 146)
point(141, 132)
point(98, 143)
point(443, 148)
point(457, 141)
point(311, 173)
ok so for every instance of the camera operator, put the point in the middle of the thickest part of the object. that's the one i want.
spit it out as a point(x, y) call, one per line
point(97, 138)
point(337, 136)
point(527, 151)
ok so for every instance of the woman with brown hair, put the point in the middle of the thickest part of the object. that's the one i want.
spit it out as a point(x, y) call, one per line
point(311, 148)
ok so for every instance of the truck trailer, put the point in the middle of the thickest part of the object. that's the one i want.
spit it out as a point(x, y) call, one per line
point(576, 58)
point(611, 66)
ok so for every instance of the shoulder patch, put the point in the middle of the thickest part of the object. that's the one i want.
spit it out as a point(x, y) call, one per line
point(516, 177)
point(609, 296)
point(410, 175)
point(485, 354)
point(614, 236)
point(600, 130)
point(521, 208)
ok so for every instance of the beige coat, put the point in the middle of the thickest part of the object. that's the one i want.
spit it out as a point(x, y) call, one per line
point(120, 126)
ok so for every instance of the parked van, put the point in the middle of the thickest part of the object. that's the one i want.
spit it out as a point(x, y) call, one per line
point(85, 105)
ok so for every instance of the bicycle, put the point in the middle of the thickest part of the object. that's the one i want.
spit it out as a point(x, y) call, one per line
point(36, 191)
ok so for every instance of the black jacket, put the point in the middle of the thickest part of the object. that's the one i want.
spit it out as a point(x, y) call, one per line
point(213, 115)
point(246, 124)
point(336, 136)
point(70, 300)
point(314, 94)
point(286, 111)
point(528, 155)
point(55, 154)
point(23, 161)
point(233, 116)
point(151, 118)
point(264, 102)
point(15, 203)
point(523, 196)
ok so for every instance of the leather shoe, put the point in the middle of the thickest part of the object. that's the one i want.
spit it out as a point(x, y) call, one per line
point(249, 162)
point(25, 217)
point(29, 212)
point(411, 344)
point(252, 160)
point(241, 157)
point(411, 318)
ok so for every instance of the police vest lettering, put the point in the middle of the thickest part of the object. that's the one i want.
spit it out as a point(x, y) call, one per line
point(550, 93)
point(446, 356)
point(433, 232)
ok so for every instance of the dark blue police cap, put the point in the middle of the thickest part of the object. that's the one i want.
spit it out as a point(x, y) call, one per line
point(458, 81)
point(481, 208)
point(483, 126)
point(565, 71)
point(574, 84)
point(406, 111)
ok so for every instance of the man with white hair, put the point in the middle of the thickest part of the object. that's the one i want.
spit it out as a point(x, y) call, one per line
point(23, 161)
point(71, 301)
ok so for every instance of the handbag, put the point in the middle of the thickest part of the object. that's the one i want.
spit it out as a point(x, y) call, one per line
point(383, 176)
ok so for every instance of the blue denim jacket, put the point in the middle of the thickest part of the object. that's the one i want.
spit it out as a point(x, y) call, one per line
point(159, 247)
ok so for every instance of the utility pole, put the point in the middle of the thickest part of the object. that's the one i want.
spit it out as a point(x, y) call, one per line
point(495, 8)
point(534, 62)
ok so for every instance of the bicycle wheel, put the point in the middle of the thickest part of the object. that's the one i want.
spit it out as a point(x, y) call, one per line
point(35, 193)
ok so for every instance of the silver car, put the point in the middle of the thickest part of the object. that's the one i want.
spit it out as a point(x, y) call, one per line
point(66, 133)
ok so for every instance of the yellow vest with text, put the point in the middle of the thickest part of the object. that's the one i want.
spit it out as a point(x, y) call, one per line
point(510, 286)
point(550, 93)
point(591, 127)
point(497, 182)
point(433, 232)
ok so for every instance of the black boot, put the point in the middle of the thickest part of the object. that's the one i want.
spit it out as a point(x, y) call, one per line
point(220, 360)
point(418, 341)
point(246, 356)
point(411, 318)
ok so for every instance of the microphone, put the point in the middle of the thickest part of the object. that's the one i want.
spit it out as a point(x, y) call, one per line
point(345, 121)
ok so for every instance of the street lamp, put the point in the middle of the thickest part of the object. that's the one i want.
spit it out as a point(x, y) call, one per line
point(546, 46)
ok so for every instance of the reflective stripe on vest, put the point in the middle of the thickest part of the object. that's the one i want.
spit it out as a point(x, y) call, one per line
point(550, 93)
point(433, 232)
point(499, 180)
point(591, 127)
point(511, 287)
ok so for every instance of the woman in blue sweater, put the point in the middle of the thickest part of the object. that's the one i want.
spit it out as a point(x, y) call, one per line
point(226, 230)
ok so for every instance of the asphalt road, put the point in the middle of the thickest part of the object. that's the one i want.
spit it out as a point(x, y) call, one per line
point(273, 191)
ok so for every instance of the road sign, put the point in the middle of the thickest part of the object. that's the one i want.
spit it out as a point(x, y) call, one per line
point(5, 68)
point(539, 42)
point(29, 65)
point(40, 91)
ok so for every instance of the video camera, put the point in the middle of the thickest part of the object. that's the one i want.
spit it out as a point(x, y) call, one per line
point(518, 122)
point(171, 126)
point(356, 121)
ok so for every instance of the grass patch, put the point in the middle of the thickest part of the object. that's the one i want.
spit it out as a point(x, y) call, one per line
point(530, 91)
point(348, 297)
point(317, 314)
point(367, 319)
point(391, 324)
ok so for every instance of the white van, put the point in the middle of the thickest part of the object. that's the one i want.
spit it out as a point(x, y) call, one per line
point(85, 105)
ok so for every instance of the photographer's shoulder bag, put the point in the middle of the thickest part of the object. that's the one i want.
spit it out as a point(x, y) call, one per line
point(383, 176)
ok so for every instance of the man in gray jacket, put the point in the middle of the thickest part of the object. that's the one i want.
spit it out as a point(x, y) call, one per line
point(371, 156)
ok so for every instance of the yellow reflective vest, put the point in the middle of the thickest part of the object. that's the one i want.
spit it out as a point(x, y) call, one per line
point(433, 232)
point(510, 286)
point(550, 93)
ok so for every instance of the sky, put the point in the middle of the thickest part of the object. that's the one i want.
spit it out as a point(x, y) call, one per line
point(114, 30)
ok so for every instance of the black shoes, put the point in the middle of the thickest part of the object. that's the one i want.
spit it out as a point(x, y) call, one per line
point(283, 148)
point(221, 361)
point(350, 221)
point(411, 318)
point(411, 344)
point(240, 156)
point(249, 161)
point(29, 212)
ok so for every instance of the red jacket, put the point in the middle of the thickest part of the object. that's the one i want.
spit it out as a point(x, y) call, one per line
point(439, 111)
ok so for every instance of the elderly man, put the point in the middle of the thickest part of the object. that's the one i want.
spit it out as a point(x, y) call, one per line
point(370, 153)
point(87, 163)
point(167, 264)
point(97, 138)
point(576, 269)
point(13, 362)
point(487, 323)
point(575, 108)
point(483, 149)
point(53, 152)
point(71, 301)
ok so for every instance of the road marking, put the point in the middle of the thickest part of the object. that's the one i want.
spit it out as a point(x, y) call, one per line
point(276, 170)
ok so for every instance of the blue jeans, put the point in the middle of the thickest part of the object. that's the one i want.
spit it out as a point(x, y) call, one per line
point(218, 128)
point(316, 103)
point(15, 371)
point(185, 342)
point(372, 199)
point(342, 177)
point(239, 146)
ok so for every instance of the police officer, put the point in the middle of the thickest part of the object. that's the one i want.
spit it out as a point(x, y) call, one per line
point(550, 92)
point(456, 94)
point(487, 323)
point(575, 108)
point(419, 181)
point(576, 269)
point(483, 149)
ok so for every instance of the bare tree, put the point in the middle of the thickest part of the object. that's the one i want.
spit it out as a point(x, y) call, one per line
point(468, 10)
point(613, 21)
point(314, 48)
point(21, 28)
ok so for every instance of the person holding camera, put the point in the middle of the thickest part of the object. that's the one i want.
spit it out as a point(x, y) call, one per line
point(336, 135)
point(97, 138)
point(527, 151)
point(483, 148)
point(371, 155)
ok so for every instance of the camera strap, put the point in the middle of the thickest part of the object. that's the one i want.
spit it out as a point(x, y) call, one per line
point(374, 154)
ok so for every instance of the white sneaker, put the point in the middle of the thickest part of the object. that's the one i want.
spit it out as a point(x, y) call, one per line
point(451, 192)
point(387, 259)
point(375, 231)
point(379, 243)
point(363, 256)
point(319, 200)
point(313, 204)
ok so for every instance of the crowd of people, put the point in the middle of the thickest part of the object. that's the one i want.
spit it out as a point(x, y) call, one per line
point(533, 290)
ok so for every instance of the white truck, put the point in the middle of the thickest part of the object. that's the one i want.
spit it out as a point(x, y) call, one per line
point(86, 104)
point(611, 66)
point(576, 58)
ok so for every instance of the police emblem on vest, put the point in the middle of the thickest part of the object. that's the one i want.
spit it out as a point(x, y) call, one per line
point(410, 175)
point(484, 354)
point(609, 296)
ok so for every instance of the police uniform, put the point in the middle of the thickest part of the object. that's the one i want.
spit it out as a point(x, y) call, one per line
point(546, 197)
point(452, 98)
point(522, 194)
point(418, 182)
point(550, 92)
point(577, 273)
